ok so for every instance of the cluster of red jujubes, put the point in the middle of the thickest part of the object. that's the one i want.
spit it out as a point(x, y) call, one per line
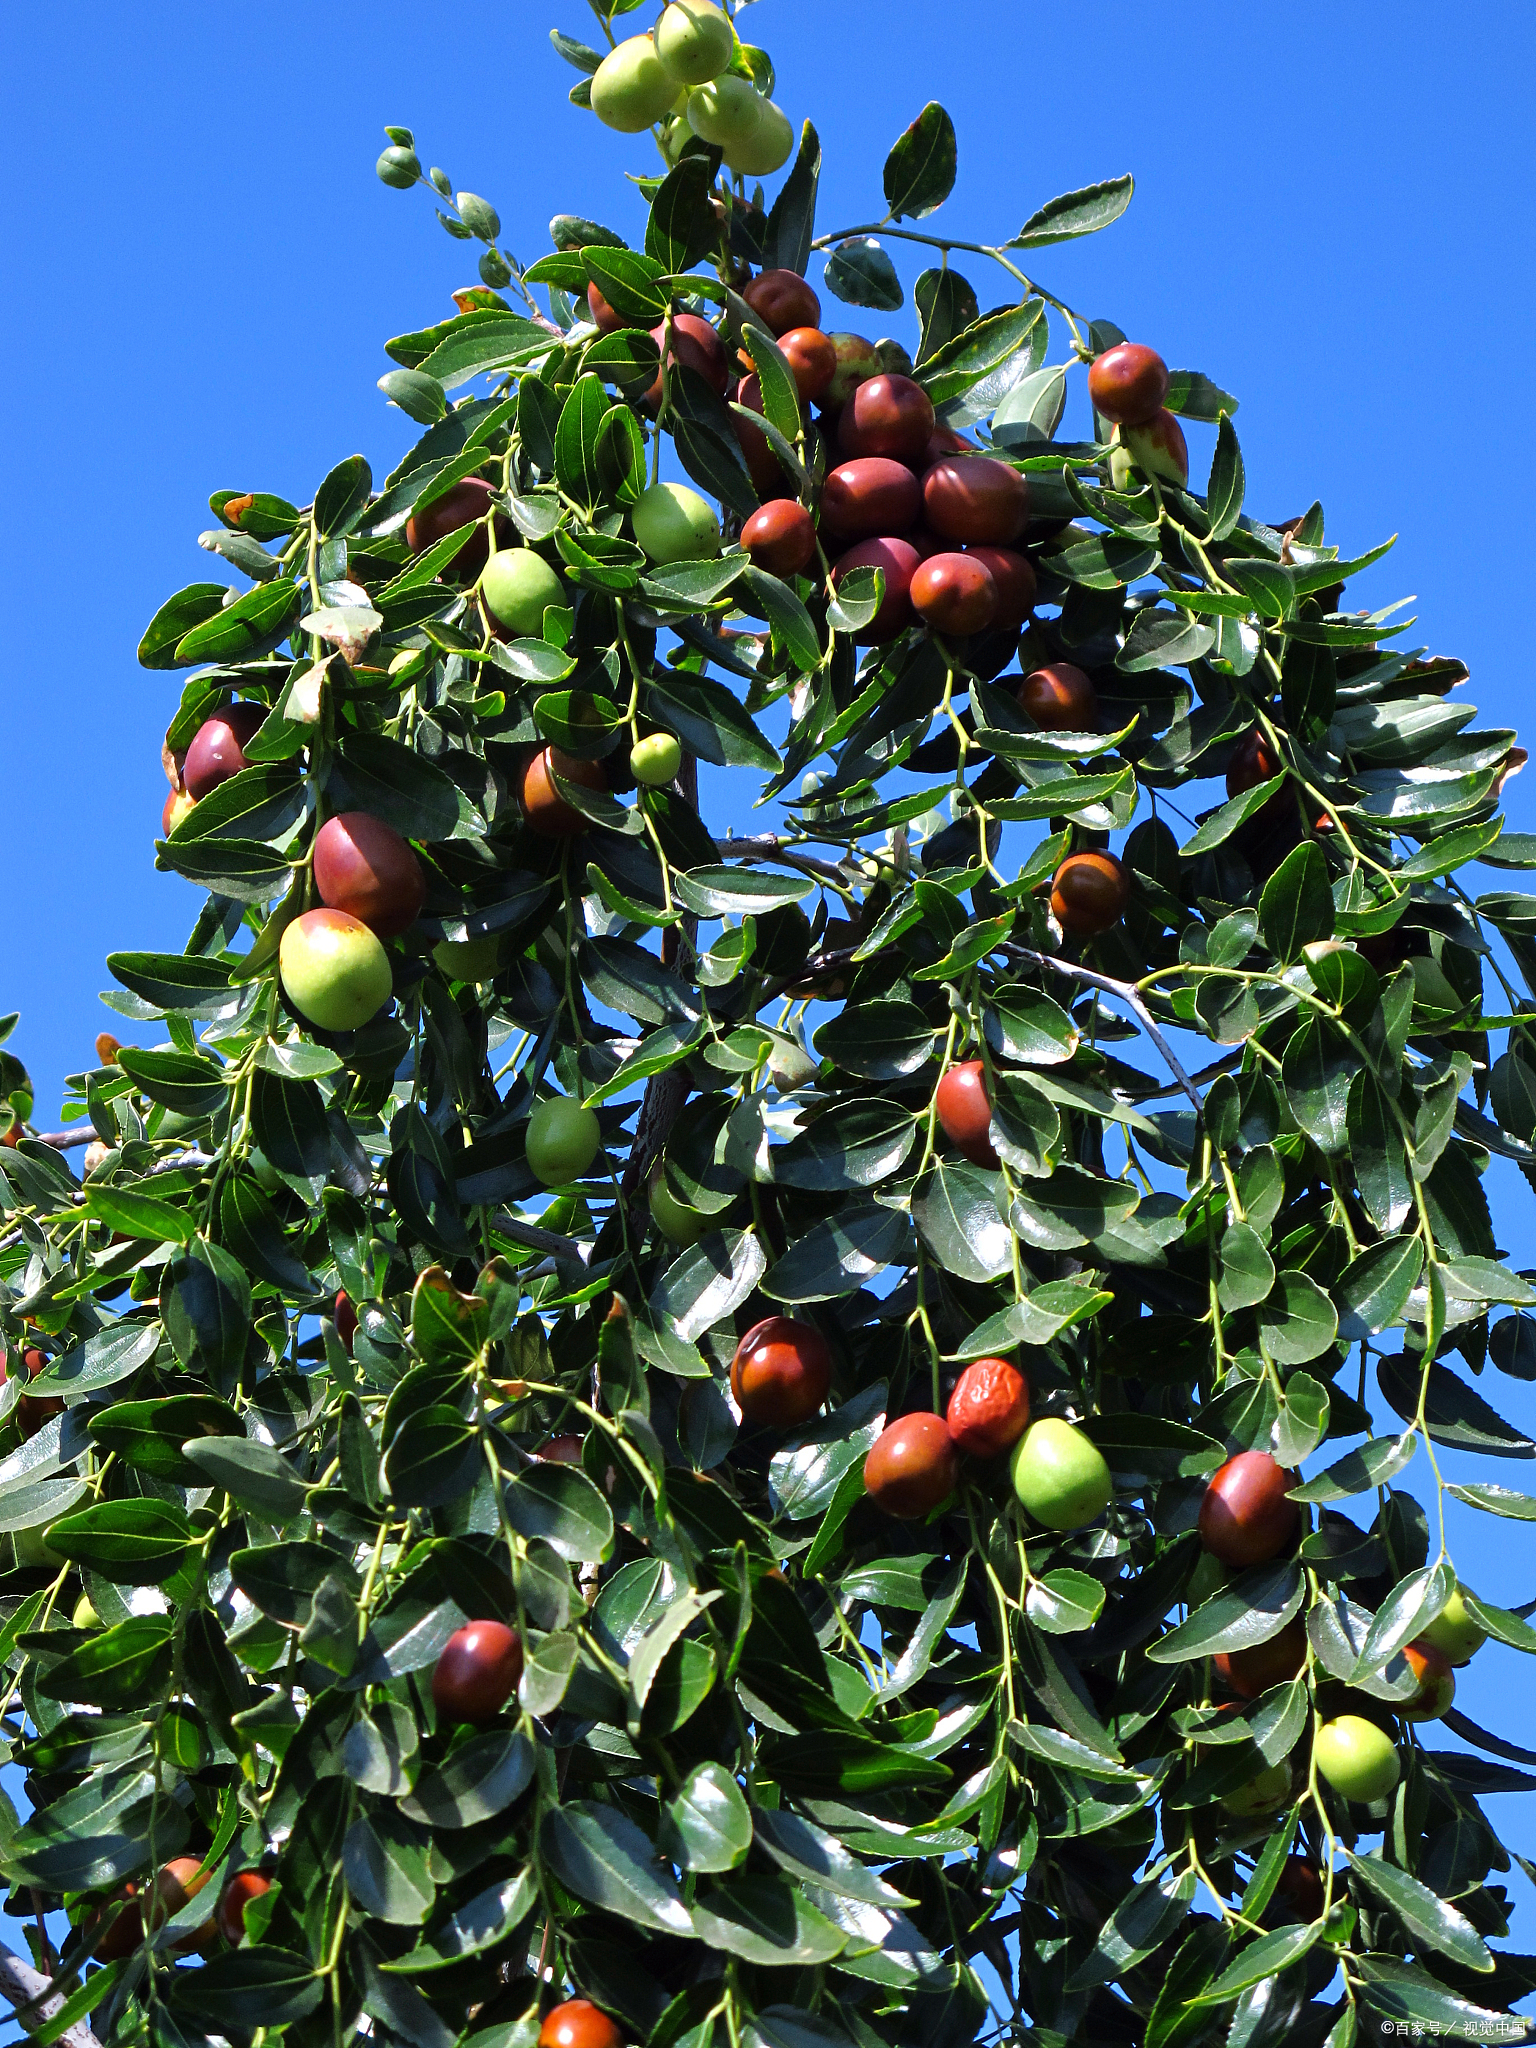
point(909, 497)
point(914, 1463)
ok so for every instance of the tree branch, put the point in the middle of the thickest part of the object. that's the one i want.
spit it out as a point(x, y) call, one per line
point(768, 846)
point(64, 1141)
point(28, 1991)
point(1127, 993)
point(538, 1240)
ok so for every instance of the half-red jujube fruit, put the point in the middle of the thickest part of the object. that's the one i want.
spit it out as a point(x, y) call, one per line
point(364, 866)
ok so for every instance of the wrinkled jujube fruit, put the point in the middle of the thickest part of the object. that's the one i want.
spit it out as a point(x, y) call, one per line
point(911, 1466)
point(782, 299)
point(1128, 383)
point(1059, 698)
point(1013, 576)
point(781, 1372)
point(965, 1113)
point(1089, 892)
point(544, 808)
point(477, 1672)
point(975, 498)
point(954, 593)
point(1252, 1671)
point(989, 1409)
point(868, 496)
point(218, 749)
point(886, 416)
point(780, 537)
point(1245, 1517)
point(363, 866)
point(578, 2023)
point(898, 562)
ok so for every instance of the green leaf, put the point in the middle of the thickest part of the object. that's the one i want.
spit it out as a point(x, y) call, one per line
point(601, 1856)
point(1083, 212)
point(1358, 1471)
point(1266, 1957)
point(1247, 1271)
point(793, 629)
point(1430, 1921)
point(1373, 1290)
point(141, 1216)
point(1159, 639)
point(861, 274)
point(205, 1300)
point(1296, 908)
point(682, 226)
point(476, 1782)
point(129, 1542)
point(1318, 1066)
point(1224, 492)
point(980, 349)
point(1254, 1607)
point(560, 1505)
point(955, 1210)
point(1144, 1919)
point(341, 498)
point(1218, 828)
point(121, 1667)
point(255, 1474)
point(706, 1825)
point(175, 619)
point(920, 170)
point(1298, 1321)
point(250, 626)
point(279, 1984)
point(766, 1920)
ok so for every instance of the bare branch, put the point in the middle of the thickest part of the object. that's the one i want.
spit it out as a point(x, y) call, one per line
point(35, 2003)
point(548, 1241)
point(768, 846)
point(1126, 992)
point(65, 1141)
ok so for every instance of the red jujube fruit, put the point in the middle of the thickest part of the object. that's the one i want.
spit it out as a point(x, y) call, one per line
point(782, 299)
point(544, 808)
point(1089, 892)
point(1059, 698)
point(578, 2023)
point(898, 562)
point(965, 1113)
point(477, 1672)
point(218, 748)
point(886, 416)
point(911, 1466)
point(869, 496)
point(697, 346)
point(1013, 575)
point(1245, 1518)
point(346, 1321)
point(1128, 383)
point(989, 1410)
point(363, 866)
point(975, 498)
point(1252, 1671)
point(812, 359)
point(954, 594)
point(234, 1899)
point(780, 537)
point(468, 499)
point(781, 1372)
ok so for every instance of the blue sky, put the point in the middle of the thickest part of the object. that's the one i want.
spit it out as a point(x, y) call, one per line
point(1333, 220)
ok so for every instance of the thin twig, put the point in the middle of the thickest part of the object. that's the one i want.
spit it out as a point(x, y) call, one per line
point(767, 844)
point(539, 1240)
point(64, 1141)
point(1127, 994)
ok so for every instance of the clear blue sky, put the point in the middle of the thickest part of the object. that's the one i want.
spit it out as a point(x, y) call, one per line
point(1334, 219)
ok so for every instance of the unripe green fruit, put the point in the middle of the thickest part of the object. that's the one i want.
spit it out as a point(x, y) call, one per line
point(675, 137)
point(1454, 1632)
point(468, 959)
point(631, 88)
point(518, 586)
point(679, 1222)
point(674, 524)
point(335, 971)
point(1059, 1475)
point(724, 112)
point(1356, 1757)
point(1266, 1793)
point(563, 1139)
point(85, 1615)
point(695, 41)
point(655, 760)
point(769, 146)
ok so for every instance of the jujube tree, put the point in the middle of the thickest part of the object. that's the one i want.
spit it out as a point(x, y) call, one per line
point(763, 1410)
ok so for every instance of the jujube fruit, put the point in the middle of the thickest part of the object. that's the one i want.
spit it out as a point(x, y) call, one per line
point(234, 1899)
point(886, 416)
point(1245, 1517)
point(578, 2023)
point(477, 1672)
point(178, 805)
point(84, 1614)
point(655, 759)
point(780, 537)
point(1454, 1632)
point(868, 496)
point(545, 810)
point(965, 1111)
point(218, 749)
point(563, 1139)
point(363, 866)
point(725, 112)
point(1060, 1475)
point(1266, 1793)
point(766, 146)
point(1128, 383)
point(604, 317)
point(334, 970)
point(33, 1410)
point(942, 442)
point(1013, 576)
point(954, 593)
point(782, 299)
point(898, 562)
point(1357, 1758)
point(1159, 448)
point(345, 1317)
point(1252, 761)
point(1089, 892)
point(674, 523)
point(518, 587)
point(126, 1931)
point(471, 498)
point(763, 464)
point(1300, 1885)
point(912, 1466)
point(812, 361)
point(177, 1883)
point(857, 359)
point(781, 1372)
point(565, 1449)
point(1262, 1665)
point(679, 1222)
point(975, 498)
point(632, 88)
point(989, 1409)
point(695, 41)
point(1059, 698)
point(695, 345)
point(1436, 1682)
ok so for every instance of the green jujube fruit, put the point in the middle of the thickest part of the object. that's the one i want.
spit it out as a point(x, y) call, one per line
point(631, 88)
point(1059, 1475)
point(564, 1137)
point(518, 587)
point(695, 41)
point(674, 524)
